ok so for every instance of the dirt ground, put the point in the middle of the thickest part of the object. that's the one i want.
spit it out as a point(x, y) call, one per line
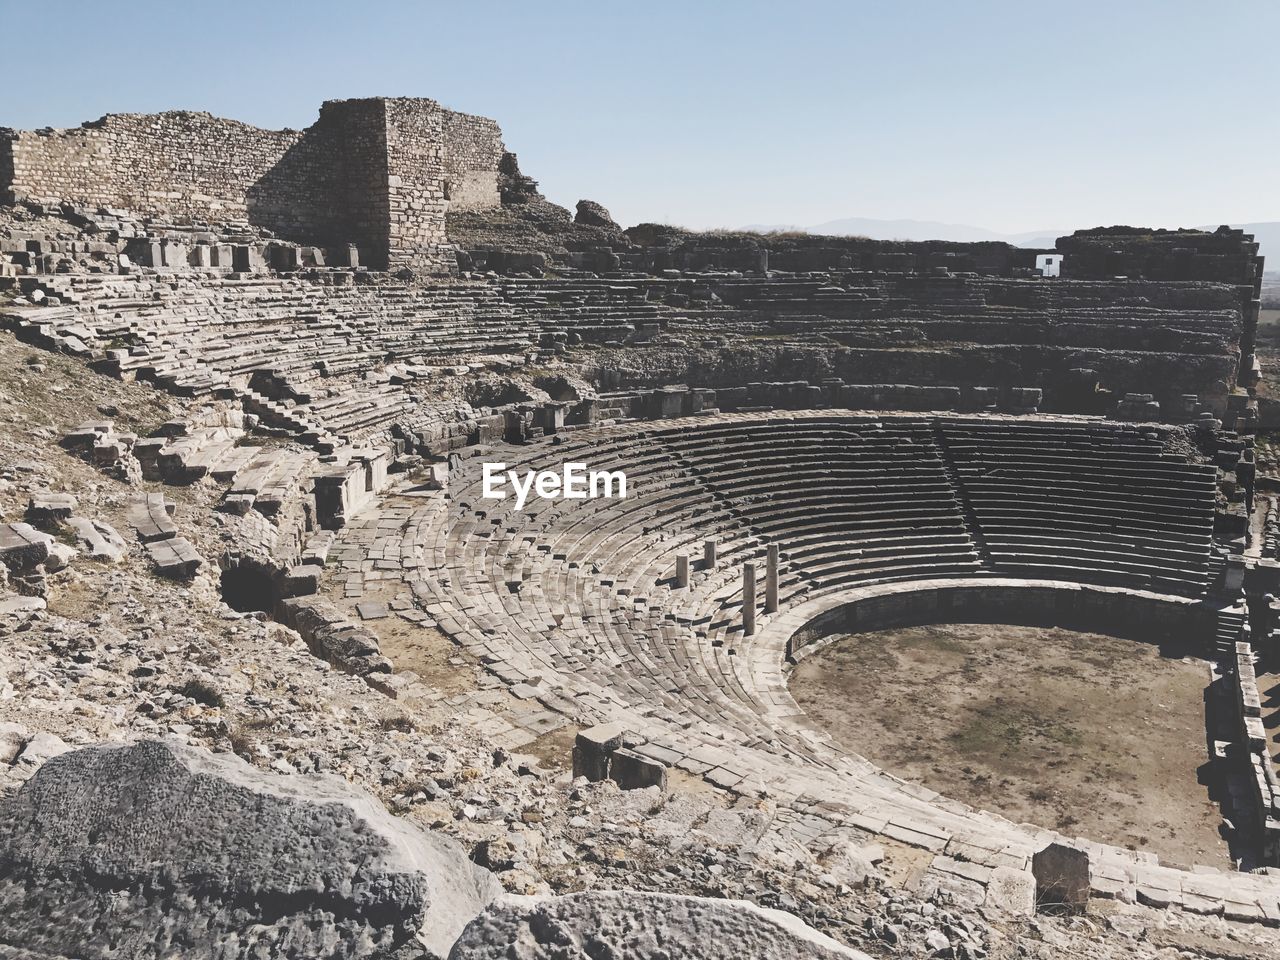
point(1092, 735)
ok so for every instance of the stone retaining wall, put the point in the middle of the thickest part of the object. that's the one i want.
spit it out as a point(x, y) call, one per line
point(1264, 789)
point(1111, 610)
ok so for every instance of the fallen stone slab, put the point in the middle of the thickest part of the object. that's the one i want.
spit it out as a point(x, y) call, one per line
point(150, 516)
point(16, 603)
point(175, 558)
point(98, 540)
point(372, 610)
point(639, 926)
point(23, 547)
point(86, 435)
point(158, 849)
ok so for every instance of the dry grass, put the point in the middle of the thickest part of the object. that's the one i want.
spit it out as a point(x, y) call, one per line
point(1089, 734)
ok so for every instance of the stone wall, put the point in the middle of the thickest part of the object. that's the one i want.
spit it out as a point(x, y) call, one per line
point(376, 172)
point(363, 169)
point(415, 183)
point(7, 140)
point(1114, 611)
point(180, 165)
point(473, 149)
point(1264, 788)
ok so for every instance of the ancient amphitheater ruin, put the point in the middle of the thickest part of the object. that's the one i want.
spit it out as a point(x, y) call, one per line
point(491, 536)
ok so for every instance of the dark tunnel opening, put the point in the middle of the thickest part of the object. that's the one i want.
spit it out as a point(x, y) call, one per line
point(249, 587)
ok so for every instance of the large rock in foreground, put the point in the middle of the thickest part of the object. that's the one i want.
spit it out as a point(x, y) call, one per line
point(641, 926)
point(161, 850)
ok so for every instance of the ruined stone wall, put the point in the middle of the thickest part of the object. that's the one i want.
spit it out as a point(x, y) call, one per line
point(184, 166)
point(7, 139)
point(1083, 607)
point(415, 184)
point(361, 127)
point(376, 172)
point(473, 149)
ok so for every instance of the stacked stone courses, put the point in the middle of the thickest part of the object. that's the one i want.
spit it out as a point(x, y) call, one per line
point(375, 172)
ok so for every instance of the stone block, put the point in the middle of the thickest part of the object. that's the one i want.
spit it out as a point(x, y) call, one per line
point(631, 771)
point(175, 558)
point(592, 749)
point(23, 547)
point(301, 581)
point(160, 840)
point(50, 509)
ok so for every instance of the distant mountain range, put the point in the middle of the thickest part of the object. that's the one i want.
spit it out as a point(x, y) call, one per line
point(1267, 234)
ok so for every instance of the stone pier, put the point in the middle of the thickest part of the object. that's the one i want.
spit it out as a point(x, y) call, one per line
point(771, 579)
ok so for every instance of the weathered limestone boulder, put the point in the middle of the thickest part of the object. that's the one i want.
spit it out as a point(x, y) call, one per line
point(640, 926)
point(852, 864)
point(162, 850)
point(1013, 891)
point(592, 214)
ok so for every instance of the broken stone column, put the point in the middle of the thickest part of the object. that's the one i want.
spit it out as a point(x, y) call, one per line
point(709, 554)
point(1062, 879)
point(748, 599)
point(771, 579)
point(682, 570)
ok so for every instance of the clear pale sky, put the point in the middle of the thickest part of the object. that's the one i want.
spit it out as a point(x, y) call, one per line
point(1013, 116)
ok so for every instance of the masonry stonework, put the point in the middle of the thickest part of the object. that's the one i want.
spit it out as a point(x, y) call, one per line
point(376, 172)
point(471, 161)
point(415, 183)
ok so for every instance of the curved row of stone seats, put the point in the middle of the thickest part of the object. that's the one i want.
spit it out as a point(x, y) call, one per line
point(878, 534)
point(844, 500)
point(574, 605)
point(835, 527)
point(323, 343)
point(570, 586)
point(595, 309)
point(1125, 315)
point(1086, 502)
point(608, 569)
point(829, 541)
point(1119, 328)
